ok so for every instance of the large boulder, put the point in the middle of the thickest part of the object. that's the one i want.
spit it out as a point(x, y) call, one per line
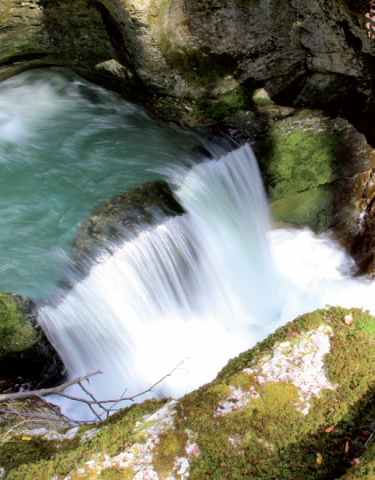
point(121, 219)
point(27, 359)
point(291, 407)
point(316, 170)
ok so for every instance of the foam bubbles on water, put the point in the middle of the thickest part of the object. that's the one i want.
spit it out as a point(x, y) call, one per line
point(314, 271)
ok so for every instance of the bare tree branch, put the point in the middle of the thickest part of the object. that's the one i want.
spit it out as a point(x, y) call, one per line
point(33, 416)
point(45, 391)
point(59, 391)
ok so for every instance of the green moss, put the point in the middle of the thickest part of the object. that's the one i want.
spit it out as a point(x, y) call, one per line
point(366, 469)
point(299, 154)
point(366, 324)
point(199, 67)
point(268, 438)
point(5, 10)
point(16, 332)
point(116, 474)
point(262, 102)
point(312, 208)
point(40, 459)
point(171, 444)
point(225, 105)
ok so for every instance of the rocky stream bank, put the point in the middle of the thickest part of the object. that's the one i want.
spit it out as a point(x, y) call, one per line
point(298, 405)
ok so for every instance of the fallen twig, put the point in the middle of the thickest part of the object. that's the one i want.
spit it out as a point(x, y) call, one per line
point(45, 391)
point(90, 402)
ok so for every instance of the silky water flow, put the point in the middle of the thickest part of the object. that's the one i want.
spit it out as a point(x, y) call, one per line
point(198, 288)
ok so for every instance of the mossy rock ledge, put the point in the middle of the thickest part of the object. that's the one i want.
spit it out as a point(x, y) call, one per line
point(26, 355)
point(289, 408)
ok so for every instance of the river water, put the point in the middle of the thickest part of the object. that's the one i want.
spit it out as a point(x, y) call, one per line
point(198, 288)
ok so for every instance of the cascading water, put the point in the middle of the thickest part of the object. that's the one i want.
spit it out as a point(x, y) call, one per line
point(197, 287)
point(206, 285)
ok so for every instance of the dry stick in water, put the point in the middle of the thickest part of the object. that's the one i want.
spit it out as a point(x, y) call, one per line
point(58, 391)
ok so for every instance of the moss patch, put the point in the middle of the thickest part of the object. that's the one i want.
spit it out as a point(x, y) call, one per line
point(5, 10)
point(17, 333)
point(40, 459)
point(199, 67)
point(299, 154)
point(225, 105)
point(312, 208)
point(270, 439)
point(267, 437)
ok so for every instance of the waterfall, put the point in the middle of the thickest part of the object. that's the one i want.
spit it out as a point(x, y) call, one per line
point(204, 286)
point(198, 288)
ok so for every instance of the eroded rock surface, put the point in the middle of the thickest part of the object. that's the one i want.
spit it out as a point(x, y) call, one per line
point(271, 413)
point(197, 62)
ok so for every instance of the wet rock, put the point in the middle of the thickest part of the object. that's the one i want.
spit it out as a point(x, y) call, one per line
point(122, 218)
point(27, 359)
point(312, 208)
point(40, 418)
point(271, 413)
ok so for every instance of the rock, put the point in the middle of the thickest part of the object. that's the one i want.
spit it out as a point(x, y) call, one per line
point(315, 169)
point(122, 218)
point(26, 356)
point(32, 427)
point(307, 150)
point(196, 63)
point(268, 414)
point(311, 208)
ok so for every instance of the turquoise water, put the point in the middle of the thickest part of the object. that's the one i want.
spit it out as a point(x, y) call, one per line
point(66, 146)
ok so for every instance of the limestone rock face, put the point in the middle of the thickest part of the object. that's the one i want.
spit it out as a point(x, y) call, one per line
point(197, 62)
point(284, 409)
point(26, 356)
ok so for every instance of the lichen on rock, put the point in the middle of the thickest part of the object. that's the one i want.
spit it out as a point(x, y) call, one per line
point(266, 415)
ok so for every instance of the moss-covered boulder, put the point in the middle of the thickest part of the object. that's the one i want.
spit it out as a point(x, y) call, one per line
point(26, 356)
point(122, 218)
point(312, 208)
point(286, 409)
point(307, 162)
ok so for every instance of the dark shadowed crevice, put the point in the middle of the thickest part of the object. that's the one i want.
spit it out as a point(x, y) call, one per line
point(353, 42)
point(28, 57)
point(114, 33)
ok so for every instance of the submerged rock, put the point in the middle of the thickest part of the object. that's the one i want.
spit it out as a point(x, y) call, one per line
point(26, 355)
point(287, 408)
point(121, 219)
